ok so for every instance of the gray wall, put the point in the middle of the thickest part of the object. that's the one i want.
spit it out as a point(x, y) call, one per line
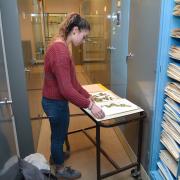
point(143, 43)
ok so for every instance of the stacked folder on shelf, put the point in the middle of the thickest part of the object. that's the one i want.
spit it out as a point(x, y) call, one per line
point(174, 105)
point(164, 171)
point(175, 33)
point(174, 52)
point(170, 135)
point(177, 1)
point(169, 127)
point(170, 138)
point(174, 71)
point(173, 91)
point(168, 114)
point(176, 10)
point(172, 111)
point(167, 159)
point(170, 144)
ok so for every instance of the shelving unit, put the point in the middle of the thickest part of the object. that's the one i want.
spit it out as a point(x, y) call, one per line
point(52, 22)
point(38, 37)
point(94, 48)
point(166, 121)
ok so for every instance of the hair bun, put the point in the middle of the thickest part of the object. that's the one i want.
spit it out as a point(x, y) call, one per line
point(72, 20)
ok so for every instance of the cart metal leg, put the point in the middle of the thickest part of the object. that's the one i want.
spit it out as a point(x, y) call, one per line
point(140, 133)
point(137, 172)
point(98, 158)
point(67, 144)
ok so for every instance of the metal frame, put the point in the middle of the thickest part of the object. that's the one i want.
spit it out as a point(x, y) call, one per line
point(109, 124)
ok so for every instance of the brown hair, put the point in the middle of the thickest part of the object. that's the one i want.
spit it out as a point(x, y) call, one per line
point(72, 20)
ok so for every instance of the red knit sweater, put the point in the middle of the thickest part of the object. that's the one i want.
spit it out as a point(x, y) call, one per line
point(60, 80)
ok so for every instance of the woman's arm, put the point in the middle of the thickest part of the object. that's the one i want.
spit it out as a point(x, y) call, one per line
point(61, 70)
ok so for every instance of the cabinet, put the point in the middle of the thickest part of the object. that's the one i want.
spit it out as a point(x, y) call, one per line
point(165, 139)
point(52, 22)
point(94, 49)
point(38, 37)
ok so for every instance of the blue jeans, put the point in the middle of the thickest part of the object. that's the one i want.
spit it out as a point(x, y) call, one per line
point(58, 113)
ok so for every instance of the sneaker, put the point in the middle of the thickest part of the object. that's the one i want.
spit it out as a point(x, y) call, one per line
point(68, 173)
point(66, 155)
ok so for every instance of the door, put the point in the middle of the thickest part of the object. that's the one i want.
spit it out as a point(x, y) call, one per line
point(32, 40)
point(8, 139)
point(119, 45)
point(143, 43)
point(95, 57)
point(14, 115)
point(104, 54)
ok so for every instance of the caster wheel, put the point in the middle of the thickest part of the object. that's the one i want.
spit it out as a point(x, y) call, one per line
point(136, 174)
point(139, 178)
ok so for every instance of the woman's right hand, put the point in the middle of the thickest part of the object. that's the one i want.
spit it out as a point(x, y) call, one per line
point(97, 111)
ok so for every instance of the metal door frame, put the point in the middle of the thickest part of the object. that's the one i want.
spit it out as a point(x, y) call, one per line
point(15, 66)
point(8, 86)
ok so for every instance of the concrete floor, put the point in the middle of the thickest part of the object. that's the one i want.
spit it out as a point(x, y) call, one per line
point(83, 152)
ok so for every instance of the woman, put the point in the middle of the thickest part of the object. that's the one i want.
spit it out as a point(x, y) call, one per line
point(61, 86)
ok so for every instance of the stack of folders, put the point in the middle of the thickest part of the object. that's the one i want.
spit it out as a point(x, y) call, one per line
point(172, 110)
point(173, 91)
point(174, 71)
point(174, 52)
point(175, 33)
point(164, 172)
point(170, 138)
point(167, 165)
point(177, 1)
point(176, 11)
point(170, 144)
point(170, 135)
